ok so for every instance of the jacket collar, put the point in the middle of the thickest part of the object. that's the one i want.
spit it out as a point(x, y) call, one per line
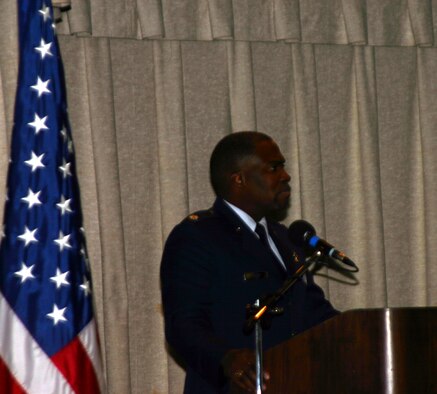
point(290, 255)
point(248, 240)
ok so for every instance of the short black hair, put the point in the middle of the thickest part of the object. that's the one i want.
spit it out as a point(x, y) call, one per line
point(228, 155)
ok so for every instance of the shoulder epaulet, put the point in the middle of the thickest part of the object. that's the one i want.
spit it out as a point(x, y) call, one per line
point(200, 215)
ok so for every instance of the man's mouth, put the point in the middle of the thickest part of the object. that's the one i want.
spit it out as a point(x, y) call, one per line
point(286, 191)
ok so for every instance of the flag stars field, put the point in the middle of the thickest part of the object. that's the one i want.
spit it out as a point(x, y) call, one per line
point(57, 315)
point(62, 241)
point(44, 49)
point(65, 169)
point(85, 286)
point(64, 205)
point(39, 123)
point(28, 236)
point(35, 161)
point(25, 272)
point(60, 278)
point(45, 12)
point(41, 87)
point(32, 198)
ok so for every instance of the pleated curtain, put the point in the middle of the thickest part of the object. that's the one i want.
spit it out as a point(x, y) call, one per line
point(348, 90)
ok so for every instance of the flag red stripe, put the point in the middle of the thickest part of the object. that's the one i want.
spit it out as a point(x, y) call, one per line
point(8, 383)
point(74, 363)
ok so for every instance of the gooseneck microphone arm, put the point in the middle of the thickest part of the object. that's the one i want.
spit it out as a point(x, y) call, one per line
point(268, 305)
point(303, 235)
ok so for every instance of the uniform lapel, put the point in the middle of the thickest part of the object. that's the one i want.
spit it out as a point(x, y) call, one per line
point(289, 256)
point(250, 244)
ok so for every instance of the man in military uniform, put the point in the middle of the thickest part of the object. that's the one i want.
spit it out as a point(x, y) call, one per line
point(215, 262)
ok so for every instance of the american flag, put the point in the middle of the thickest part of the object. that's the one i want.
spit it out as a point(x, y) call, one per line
point(48, 339)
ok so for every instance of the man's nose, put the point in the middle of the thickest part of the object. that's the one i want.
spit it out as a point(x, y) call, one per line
point(285, 176)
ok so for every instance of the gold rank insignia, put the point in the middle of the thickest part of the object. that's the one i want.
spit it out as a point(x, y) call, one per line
point(193, 217)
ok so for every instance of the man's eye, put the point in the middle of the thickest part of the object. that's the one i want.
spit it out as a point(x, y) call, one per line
point(275, 167)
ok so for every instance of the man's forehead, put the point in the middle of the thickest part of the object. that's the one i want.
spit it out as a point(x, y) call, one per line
point(268, 151)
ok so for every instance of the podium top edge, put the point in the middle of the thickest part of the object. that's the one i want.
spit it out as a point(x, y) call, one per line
point(402, 308)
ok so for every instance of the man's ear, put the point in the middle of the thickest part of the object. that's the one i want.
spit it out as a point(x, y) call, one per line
point(237, 179)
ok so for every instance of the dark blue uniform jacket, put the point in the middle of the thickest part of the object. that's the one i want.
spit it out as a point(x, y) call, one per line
point(205, 262)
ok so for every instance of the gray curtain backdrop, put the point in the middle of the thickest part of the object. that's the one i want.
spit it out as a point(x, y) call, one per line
point(348, 90)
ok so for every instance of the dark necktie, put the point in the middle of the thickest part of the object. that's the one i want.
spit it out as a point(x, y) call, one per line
point(261, 231)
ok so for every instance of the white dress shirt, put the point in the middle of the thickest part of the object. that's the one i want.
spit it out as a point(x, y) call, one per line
point(251, 224)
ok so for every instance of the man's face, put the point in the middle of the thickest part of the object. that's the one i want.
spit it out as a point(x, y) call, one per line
point(266, 188)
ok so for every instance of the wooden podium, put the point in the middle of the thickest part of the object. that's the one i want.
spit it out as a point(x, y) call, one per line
point(372, 351)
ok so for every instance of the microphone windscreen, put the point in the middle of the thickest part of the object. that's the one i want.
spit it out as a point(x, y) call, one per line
point(300, 231)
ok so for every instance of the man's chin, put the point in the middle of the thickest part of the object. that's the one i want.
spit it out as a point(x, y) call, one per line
point(280, 213)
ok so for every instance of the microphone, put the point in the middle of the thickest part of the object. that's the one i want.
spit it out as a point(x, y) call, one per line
point(303, 234)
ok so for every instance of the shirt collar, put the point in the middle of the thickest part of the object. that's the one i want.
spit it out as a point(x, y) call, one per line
point(246, 218)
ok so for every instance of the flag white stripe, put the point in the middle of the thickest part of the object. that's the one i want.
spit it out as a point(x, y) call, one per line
point(89, 340)
point(31, 367)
